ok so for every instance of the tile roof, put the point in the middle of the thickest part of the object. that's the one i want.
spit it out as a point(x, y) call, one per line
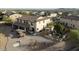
point(32, 18)
point(71, 17)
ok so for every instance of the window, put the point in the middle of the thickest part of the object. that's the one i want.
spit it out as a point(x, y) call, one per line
point(66, 24)
point(18, 20)
point(43, 26)
point(37, 29)
point(73, 26)
point(32, 24)
point(24, 21)
point(43, 21)
point(22, 28)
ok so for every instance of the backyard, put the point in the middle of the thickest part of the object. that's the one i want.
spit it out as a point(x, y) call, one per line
point(28, 42)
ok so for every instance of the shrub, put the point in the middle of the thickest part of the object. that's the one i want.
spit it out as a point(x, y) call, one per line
point(59, 28)
point(7, 20)
point(50, 25)
point(74, 36)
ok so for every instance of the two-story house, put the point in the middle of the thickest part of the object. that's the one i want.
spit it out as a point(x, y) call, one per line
point(32, 23)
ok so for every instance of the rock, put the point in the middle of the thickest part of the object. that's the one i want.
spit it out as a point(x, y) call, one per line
point(50, 35)
point(16, 45)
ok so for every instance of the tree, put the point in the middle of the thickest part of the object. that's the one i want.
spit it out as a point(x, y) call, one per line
point(59, 28)
point(50, 26)
point(1, 16)
point(48, 13)
point(65, 14)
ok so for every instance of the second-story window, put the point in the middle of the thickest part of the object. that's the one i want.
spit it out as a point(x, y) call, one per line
point(32, 24)
point(18, 20)
point(39, 22)
point(37, 28)
point(43, 21)
point(22, 21)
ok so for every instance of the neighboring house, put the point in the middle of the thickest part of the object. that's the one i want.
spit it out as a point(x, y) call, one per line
point(4, 12)
point(60, 13)
point(13, 11)
point(13, 17)
point(35, 13)
point(69, 14)
point(7, 13)
point(27, 12)
point(53, 15)
point(32, 23)
point(42, 13)
point(70, 21)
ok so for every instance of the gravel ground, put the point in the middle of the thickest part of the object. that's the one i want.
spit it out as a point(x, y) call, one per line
point(57, 47)
point(24, 42)
point(6, 30)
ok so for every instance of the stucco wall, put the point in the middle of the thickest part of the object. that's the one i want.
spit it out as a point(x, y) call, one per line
point(41, 24)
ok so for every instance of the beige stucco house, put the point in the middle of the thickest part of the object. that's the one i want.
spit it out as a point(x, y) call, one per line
point(32, 23)
point(60, 13)
point(53, 15)
point(13, 17)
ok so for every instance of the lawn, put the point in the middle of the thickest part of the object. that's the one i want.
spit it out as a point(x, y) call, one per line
point(74, 34)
